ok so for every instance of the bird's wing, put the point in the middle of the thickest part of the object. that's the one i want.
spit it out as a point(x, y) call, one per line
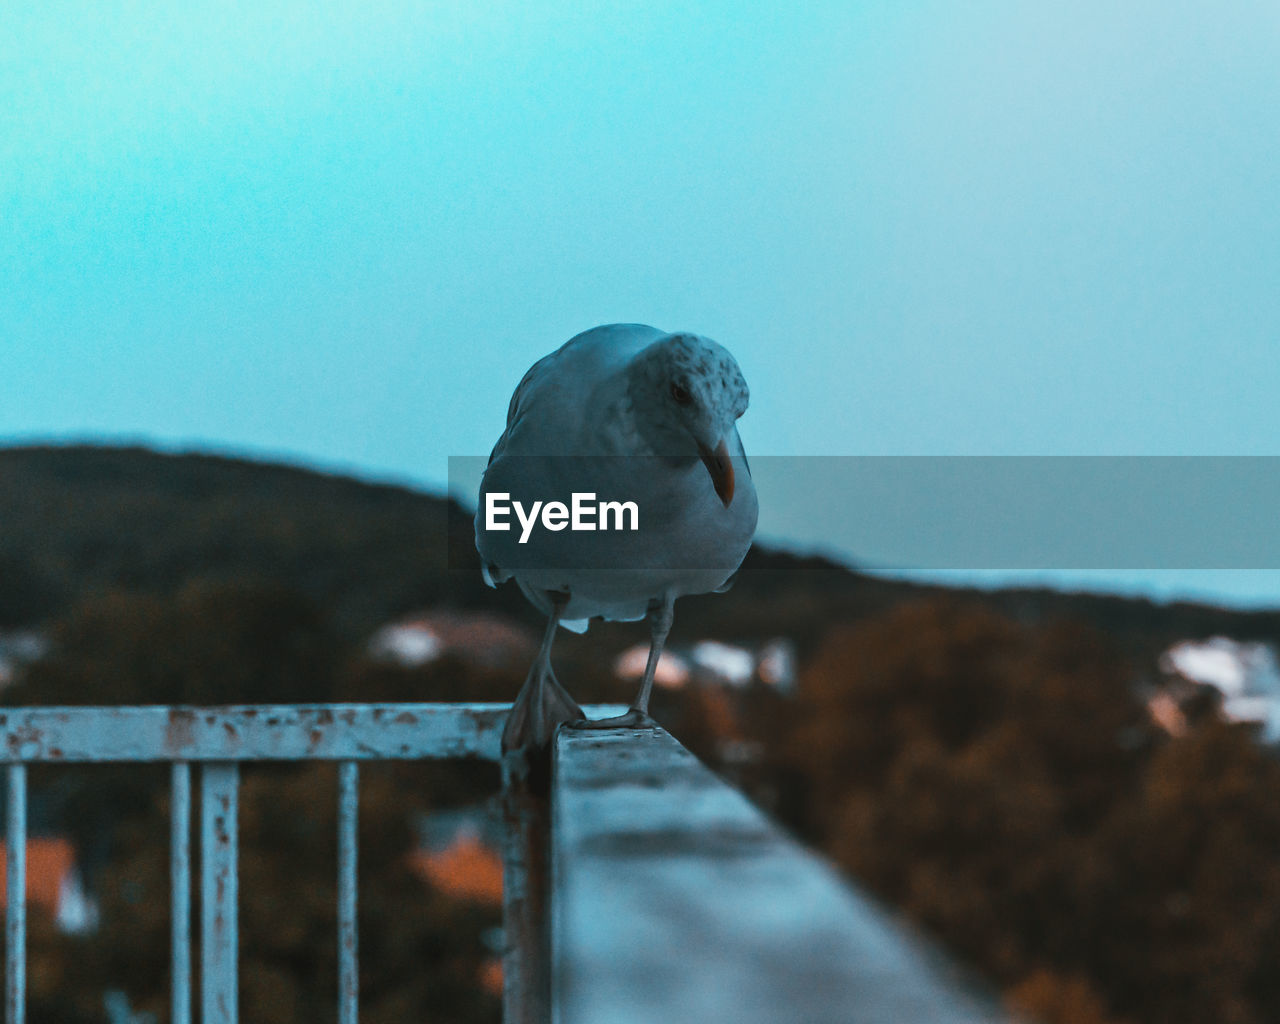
point(535, 373)
point(582, 355)
point(592, 351)
point(724, 587)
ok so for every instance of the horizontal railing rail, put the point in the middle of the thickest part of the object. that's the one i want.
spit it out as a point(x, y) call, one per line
point(288, 732)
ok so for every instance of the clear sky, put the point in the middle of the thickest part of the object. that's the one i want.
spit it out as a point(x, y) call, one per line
point(340, 233)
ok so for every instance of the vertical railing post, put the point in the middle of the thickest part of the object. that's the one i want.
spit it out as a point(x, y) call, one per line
point(348, 936)
point(15, 930)
point(526, 977)
point(180, 890)
point(219, 988)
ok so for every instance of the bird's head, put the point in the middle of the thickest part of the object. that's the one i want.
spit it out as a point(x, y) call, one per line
point(687, 392)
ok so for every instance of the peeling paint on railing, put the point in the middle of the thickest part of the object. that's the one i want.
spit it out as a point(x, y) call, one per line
point(219, 904)
point(327, 732)
point(15, 930)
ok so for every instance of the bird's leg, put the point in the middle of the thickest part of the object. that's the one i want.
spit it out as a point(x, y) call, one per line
point(661, 612)
point(660, 616)
point(542, 703)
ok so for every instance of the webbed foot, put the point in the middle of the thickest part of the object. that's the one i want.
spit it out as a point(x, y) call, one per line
point(633, 719)
point(541, 705)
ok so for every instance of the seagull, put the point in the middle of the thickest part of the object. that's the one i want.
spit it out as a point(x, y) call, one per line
point(622, 411)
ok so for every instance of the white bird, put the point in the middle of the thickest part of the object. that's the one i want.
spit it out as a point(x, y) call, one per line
point(624, 412)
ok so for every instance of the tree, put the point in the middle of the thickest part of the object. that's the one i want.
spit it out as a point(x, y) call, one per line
point(1000, 783)
point(27, 596)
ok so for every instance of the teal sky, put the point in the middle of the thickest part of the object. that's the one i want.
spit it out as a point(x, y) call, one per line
point(340, 235)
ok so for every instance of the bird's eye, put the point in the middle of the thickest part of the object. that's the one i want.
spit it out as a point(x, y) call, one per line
point(680, 395)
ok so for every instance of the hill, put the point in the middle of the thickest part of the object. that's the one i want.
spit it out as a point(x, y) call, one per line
point(83, 520)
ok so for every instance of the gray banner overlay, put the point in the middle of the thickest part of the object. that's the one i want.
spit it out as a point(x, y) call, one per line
point(1004, 512)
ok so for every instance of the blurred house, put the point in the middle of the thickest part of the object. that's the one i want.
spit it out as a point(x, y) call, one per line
point(54, 884)
point(467, 868)
point(776, 665)
point(485, 640)
point(732, 666)
point(1166, 711)
point(18, 648)
point(713, 663)
point(1241, 680)
point(672, 671)
point(460, 855)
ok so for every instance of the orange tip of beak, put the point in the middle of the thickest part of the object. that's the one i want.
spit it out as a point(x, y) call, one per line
point(720, 466)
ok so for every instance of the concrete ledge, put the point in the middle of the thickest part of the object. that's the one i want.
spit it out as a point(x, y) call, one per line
point(674, 899)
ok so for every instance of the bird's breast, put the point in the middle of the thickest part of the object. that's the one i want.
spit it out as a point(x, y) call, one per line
point(649, 525)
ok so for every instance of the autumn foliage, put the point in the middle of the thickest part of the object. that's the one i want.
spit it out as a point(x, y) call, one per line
point(1001, 784)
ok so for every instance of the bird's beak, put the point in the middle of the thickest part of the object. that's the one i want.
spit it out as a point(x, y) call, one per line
point(720, 467)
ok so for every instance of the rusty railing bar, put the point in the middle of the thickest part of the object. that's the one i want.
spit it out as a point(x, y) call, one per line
point(303, 732)
point(180, 898)
point(348, 935)
point(15, 924)
point(256, 732)
point(526, 881)
point(526, 819)
point(219, 924)
point(514, 883)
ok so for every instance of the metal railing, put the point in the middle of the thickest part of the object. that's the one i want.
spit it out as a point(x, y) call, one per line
point(637, 886)
point(212, 743)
